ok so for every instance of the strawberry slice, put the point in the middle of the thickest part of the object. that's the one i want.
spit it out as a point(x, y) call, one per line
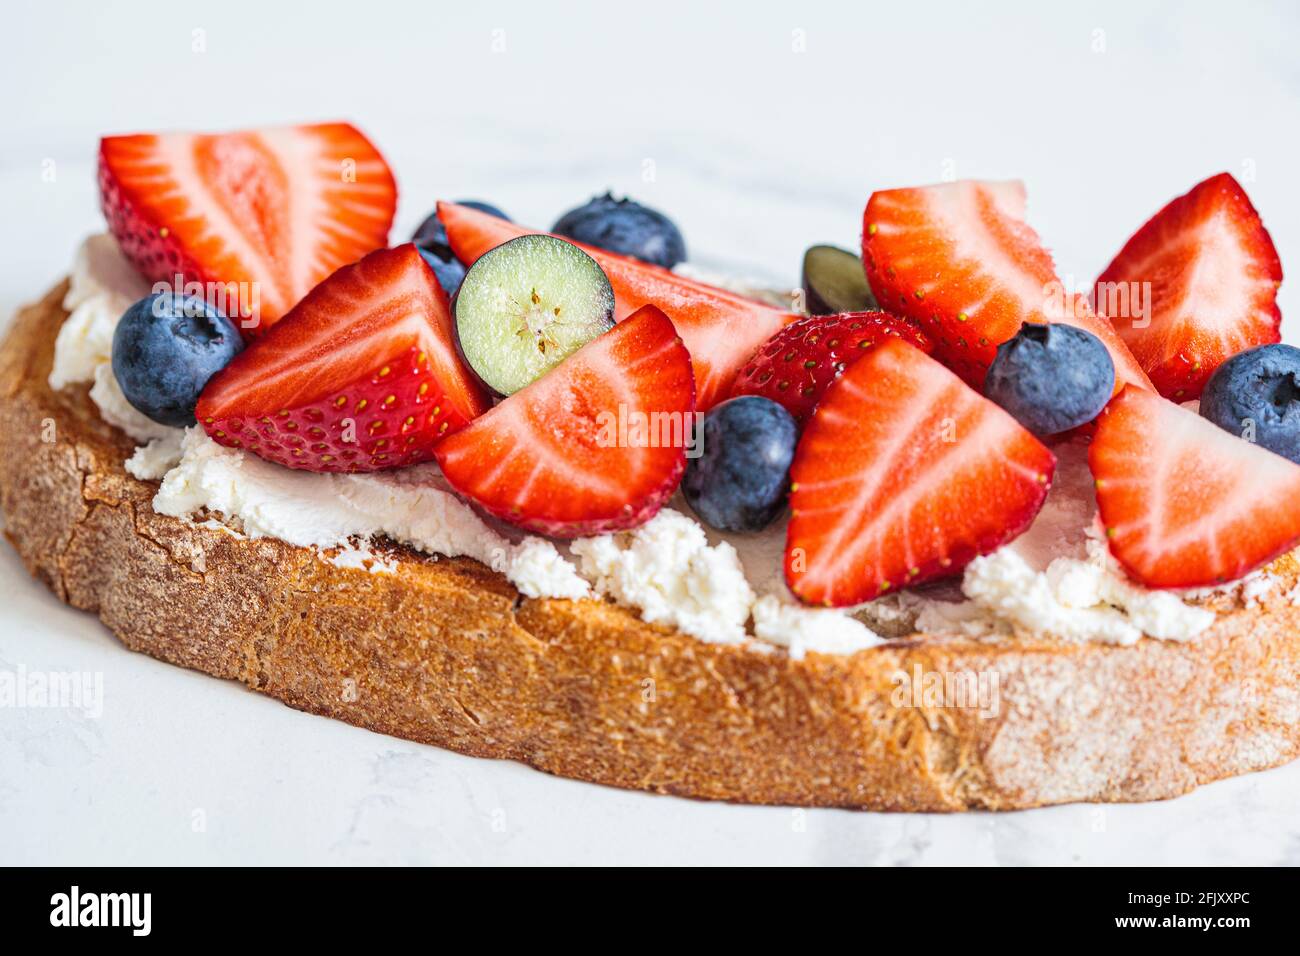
point(1210, 276)
point(361, 375)
point(961, 260)
point(795, 367)
point(1185, 503)
point(721, 329)
point(596, 444)
point(904, 474)
point(262, 215)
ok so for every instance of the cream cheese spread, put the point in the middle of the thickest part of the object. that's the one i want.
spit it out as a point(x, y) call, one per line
point(668, 570)
point(102, 285)
point(412, 506)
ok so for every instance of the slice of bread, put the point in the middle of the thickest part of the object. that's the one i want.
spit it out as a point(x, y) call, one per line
point(446, 652)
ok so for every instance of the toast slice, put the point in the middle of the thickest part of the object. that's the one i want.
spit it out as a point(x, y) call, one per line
point(446, 652)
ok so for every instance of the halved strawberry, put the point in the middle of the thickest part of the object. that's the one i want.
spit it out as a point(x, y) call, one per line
point(904, 474)
point(795, 367)
point(721, 329)
point(1185, 503)
point(960, 259)
point(1194, 286)
point(264, 214)
point(362, 374)
point(596, 444)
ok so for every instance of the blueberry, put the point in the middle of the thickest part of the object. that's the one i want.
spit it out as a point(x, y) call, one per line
point(739, 481)
point(165, 349)
point(1256, 396)
point(625, 227)
point(431, 240)
point(449, 271)
point(1051, 378)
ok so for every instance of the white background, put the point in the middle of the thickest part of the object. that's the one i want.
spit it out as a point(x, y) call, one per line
point(761, 128)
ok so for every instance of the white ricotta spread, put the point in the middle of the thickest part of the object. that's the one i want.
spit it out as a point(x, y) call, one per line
point(118, 412)
point(412, 506)
point(1054, 579)
point(668, 570)
point(803, 629)
point(1073, 600)
point(153, 460)
point(360, 556)
point(102, 285)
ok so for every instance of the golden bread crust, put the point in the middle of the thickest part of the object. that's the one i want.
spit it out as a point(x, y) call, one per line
point(446, 652)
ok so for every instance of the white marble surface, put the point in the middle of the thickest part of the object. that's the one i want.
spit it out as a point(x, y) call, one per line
point(757, 150)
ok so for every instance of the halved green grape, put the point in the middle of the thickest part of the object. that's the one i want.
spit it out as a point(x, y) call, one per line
point(834, 282)
point(527, 305)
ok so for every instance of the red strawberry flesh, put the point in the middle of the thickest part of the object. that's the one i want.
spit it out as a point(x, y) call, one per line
point(796, 366)
point(361, 375)
point(553, 458)
point(1210, 275)
point(1185, 503)
point(259, 217)
point(960, 259)
point(720, 328)
point(905, 474)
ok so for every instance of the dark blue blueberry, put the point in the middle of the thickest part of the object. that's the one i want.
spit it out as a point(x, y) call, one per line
point(625, 227)
point(449, 271)
point(740, 479)
point(165, 349)
point(431, 240)
point(1256, 396)
point(1051, 378)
